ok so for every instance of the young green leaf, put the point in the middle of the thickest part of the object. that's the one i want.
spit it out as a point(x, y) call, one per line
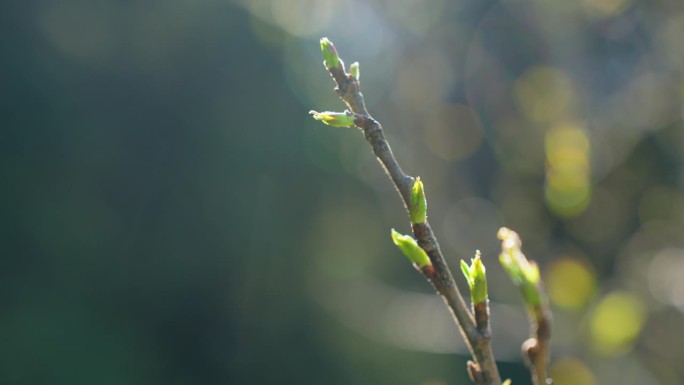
point(410, 248)
point(335, 119)
point(466, 271)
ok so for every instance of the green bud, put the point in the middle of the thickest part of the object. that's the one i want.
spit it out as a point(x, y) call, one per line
point(330, 56)
point(418, 209)
point(476, 277)
point(354, 70)
point(507, 382)
point(523, 273)
point(335, 119)
point(410, 248)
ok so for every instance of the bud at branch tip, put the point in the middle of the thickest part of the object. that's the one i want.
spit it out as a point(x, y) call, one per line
point(523, 272)
point(330, 57)
point(476, 277)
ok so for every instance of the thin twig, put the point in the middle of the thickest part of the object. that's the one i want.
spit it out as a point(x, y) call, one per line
point(481, 311)
point(525, 275)
point(536, 348)
point(484, 371)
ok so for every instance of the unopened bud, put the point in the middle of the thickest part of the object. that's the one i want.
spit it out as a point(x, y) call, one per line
point(523, 273)
point(330, 57)
point(476, 276)
point(418, 204)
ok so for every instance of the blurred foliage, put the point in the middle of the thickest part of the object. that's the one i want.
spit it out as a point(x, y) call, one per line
point(172, 215)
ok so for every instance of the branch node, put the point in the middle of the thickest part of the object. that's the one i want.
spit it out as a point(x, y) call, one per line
point(530, 349)
point(475, 373)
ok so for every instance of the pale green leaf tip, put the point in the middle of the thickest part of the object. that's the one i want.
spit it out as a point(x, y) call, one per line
point(396, 236)
point(466, 270)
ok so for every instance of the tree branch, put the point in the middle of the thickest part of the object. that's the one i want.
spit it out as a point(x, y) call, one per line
point(484, 370)
point(525, 274)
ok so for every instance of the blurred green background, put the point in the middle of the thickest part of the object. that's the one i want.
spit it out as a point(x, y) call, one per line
point(172, 215)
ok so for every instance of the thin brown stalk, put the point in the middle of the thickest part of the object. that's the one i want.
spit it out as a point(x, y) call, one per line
point(536, 348)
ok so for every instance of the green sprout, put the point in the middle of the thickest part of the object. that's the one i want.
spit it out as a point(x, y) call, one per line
point(476, 277)
point(523, 273)
point(330, 56)
point(410, 248)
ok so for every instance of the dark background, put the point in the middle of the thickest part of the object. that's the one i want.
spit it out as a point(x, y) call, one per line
point(172, 215)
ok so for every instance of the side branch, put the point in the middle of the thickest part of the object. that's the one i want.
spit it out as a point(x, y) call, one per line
point(525, 274)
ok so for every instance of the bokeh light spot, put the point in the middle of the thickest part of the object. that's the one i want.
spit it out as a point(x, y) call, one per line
point(568, 189)
point(571, 371)
point(567, 202)
point(454, 132)
point(571, 283)
point(567, 144)
point(545, 94)
point(616, 322)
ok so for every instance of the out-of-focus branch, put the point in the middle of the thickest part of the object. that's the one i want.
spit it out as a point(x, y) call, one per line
point(484, 370)
point(525, 274)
